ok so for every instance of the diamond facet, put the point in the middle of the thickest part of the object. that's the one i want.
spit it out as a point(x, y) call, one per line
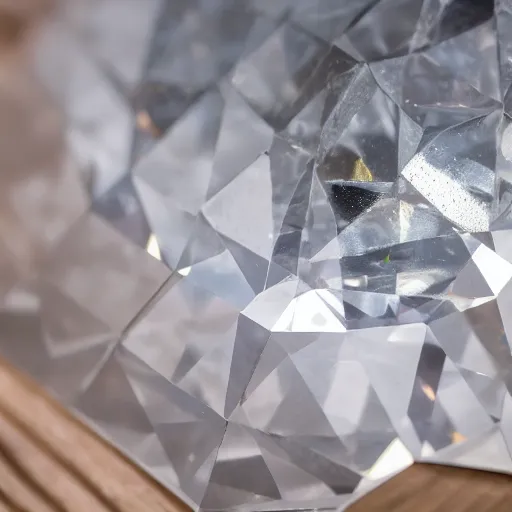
point(295, 275)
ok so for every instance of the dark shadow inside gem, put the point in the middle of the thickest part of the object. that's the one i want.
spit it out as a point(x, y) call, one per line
point(350, 201)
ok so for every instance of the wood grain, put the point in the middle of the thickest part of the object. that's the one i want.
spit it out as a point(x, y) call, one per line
point(431, 488)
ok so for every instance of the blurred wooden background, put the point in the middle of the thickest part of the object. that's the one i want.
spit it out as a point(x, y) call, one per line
point(51, 463)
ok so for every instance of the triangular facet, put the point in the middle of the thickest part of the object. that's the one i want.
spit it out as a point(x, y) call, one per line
point(248, 196)
point(471, 57)
point(248, 472)
point(112, 386)
point(488, 452)
point(490, 392)
point(254, 268)
point(243, 137)
point(250, 340)
point(470, 282)
point(204, 244)
point(67, 326)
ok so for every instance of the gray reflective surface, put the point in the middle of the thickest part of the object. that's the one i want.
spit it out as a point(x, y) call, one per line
point(287, 272)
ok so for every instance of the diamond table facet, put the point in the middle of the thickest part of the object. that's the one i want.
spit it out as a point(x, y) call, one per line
point(295, 275)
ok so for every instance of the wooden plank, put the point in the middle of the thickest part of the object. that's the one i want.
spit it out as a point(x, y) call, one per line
point(18, 494)
point(39, 467)
point(431, 488)
point(5, 508)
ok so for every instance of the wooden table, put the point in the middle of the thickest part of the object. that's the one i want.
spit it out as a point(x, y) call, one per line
point(49, 462)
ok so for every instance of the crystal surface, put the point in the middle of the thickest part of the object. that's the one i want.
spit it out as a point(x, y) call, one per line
point(291, 273)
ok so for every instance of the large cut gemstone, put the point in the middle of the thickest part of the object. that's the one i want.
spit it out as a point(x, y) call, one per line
point(293, 273)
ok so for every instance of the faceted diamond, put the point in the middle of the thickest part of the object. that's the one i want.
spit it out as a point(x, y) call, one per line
point(295, 276)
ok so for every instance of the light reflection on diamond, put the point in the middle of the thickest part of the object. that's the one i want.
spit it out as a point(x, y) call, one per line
point(395, 457)
point(361, 171)
point(429, 392)
point(447, 195)
point(152, 247)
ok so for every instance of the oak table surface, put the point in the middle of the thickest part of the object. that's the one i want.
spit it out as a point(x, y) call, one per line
point(49, 462)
